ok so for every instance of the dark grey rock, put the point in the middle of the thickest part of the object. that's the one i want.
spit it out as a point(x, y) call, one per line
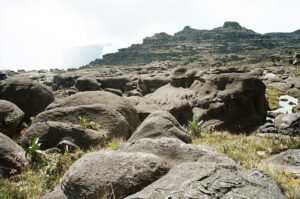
point(160, 124)
point(107, 120)
point(10, 118)
point(31, 97)
point(51, 134)
point(104, 98)
point(87, 84)
point(12, 156)
point(108, 174)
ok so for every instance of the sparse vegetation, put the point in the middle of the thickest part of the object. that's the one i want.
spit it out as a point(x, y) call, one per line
point(296, 72)
point(41, 178)
point(85, 122)
point(273, 97)
point(249, 151)
point(194, 128)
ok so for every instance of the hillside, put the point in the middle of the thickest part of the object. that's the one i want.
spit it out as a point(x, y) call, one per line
point(226, 44)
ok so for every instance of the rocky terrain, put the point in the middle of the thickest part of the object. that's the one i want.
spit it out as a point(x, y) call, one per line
point(153, 125)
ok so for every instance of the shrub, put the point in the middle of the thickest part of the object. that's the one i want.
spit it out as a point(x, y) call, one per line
point(194, 128)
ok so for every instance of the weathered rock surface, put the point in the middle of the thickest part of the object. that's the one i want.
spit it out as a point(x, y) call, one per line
point(288, 160)
point(210, 180)
point(108, 174)
point(10, 118)
point(52, 134)
point(31, 97)
point(175, 151)
point(107, 120)
point(148, 84)
point(160, 124)
point(12, 156)
point(104, 98)
point(288, 124)
point(118, 82)
point(87, 84)
point(175, 100)
point(230, 102)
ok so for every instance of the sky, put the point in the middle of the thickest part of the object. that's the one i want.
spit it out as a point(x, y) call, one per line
point(43, 34)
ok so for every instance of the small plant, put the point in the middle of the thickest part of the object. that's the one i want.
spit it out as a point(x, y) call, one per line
point(194, 128)
point(296, 72)
point(33, 149)
point(83, 121)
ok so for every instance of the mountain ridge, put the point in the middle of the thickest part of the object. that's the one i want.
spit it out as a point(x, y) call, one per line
point(206, 47)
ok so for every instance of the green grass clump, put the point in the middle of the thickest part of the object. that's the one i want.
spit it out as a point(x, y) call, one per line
point(85, 122)
point(194, 128)
point(273, 97)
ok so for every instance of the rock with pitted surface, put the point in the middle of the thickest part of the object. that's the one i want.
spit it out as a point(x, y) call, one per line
point(160, 124)
point(103, 98)
point(118, 82)
point(109, 174)
point(210, 180)
point(233, 102)
point(175, 151)
point(148, 84)
point(12, 156)
point(87, 84)
point(182, 77)
point(288, 124)
point(106, 120)
point(176, 100)
point(31, 97)
point(10, 118)
point(53, 134)
point(63, 81)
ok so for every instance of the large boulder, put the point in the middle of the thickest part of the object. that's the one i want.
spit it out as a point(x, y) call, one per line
point(104, 98)
point(87, 84)
point(107, 120)
point(55, 134)
point(182, 77)
point(10, 118)
point(210, 180)
point(63, 81)
point(108, 174)
point(232, 102)
point(288, 124)
point(175, 151)
point(148, 84)
point(160, 124)
point(118, 82)
point(174, 100)
point(31, 97)
point(12, 156)
point(288, 160)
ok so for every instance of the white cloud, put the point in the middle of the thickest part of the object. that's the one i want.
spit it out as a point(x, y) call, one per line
point(34, 33)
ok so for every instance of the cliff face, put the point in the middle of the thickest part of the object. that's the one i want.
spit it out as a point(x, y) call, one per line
point(225, 44)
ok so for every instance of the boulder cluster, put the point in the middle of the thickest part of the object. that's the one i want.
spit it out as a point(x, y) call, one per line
point(150, 112)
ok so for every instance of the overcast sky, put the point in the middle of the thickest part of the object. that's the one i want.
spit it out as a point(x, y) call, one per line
point(36, 34)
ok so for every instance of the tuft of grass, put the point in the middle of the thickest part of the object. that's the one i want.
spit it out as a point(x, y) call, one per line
point(284, 179)
point(115, 143)
point(85, 122)
point(194, 128)
point(273, 95)
point(295, 72)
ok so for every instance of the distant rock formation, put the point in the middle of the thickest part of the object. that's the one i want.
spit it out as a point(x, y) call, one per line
point(225, 44)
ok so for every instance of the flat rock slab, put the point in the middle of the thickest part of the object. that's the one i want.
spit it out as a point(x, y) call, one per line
point(209, 181)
